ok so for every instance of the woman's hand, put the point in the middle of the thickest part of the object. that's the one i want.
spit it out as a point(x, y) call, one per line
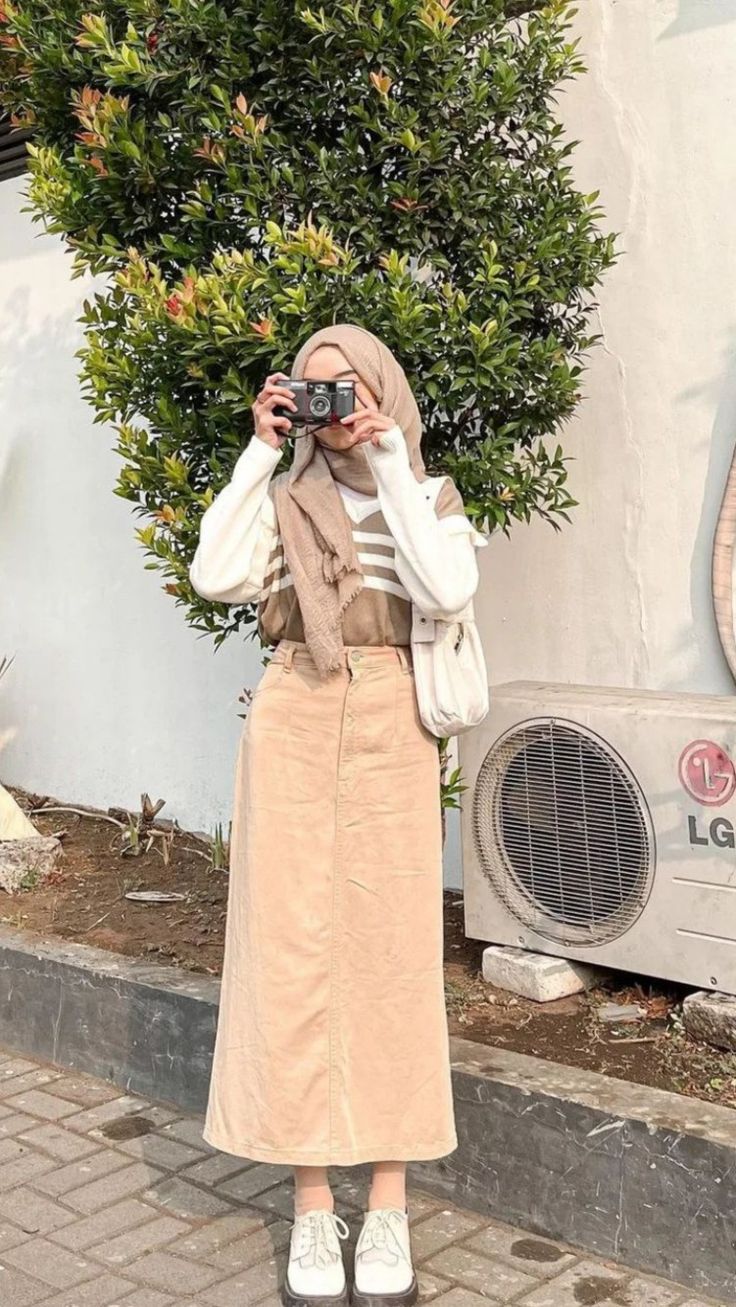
point(269, 424)
point(367, 423)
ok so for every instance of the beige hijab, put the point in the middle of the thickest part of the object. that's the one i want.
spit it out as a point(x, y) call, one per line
point(315, 529)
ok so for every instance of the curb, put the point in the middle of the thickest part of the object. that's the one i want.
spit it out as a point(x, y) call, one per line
point(639, 1175)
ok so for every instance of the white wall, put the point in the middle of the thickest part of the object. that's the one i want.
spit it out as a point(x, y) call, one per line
point(622, 596)
point(111, 693)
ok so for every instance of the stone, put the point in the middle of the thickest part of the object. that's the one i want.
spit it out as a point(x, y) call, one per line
point(254, 1181)
point(152, 1298)
point(80, 1171)
point(212, 1170)
point(168, 1273)
point(103, 1226)
point(186, 1200)
point(430, 1286)
point(30, 1166)
point(587, 1282)
point(525, 1252)
point(711, 1018)
point(480, 1274)
point(27, 860)
point(41, 1102)
point(620, 1013)
point(443, 1229)
point(535, 975)
point(462, 1298)
point(33, 1212)
point(144, 1237)
point(252, 1250)
point(168, 1153)
point(20, 1290)
point(54, 1265)
point(204, 1241)
point(88, 1198)
point(106, 1291)
point(51, 1138)
point(248, 1286)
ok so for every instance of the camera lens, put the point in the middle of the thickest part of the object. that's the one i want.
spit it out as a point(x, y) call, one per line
point(320, 406)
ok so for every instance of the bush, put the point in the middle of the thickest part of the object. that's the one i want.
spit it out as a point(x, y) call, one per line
point(242, 173)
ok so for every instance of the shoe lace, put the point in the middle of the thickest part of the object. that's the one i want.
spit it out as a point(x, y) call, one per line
point(378, 1241)
point(316, 1245)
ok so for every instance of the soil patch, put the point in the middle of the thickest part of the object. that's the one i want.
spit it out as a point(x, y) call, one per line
point(85, 898)
point(85, 901)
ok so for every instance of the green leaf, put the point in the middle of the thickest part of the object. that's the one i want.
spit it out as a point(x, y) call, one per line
point(232, 180)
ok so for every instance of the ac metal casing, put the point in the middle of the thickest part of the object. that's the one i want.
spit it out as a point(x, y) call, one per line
point(599, 824)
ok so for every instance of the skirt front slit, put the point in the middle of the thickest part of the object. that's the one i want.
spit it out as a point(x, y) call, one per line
point(332, 1042)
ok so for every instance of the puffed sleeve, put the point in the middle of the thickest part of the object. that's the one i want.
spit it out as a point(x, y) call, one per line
point(237, 530)
point(435, 541)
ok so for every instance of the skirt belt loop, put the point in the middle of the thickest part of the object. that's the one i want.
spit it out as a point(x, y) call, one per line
point(401, 653)
point(288, 657)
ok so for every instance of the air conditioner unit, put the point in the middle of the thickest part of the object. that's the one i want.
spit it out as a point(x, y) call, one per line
point(598, 824)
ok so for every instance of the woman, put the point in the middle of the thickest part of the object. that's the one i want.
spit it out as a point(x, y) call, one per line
point(332, 1042)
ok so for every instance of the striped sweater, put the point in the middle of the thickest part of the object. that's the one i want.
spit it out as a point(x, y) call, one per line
point(381, 613)
point(415, 544)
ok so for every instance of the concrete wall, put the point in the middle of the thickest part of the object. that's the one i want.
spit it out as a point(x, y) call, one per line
point(622, 596)
point(110, 693)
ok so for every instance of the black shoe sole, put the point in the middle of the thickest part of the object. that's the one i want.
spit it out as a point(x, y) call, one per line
point(291, 1299)
point(404, 1299)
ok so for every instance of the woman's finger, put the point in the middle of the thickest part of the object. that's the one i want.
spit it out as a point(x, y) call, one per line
point(363, 424)
point(381, 420)
point(271, 388)
point(364, 421)
point(363, 435)
point(368, 429)
point(277, 396)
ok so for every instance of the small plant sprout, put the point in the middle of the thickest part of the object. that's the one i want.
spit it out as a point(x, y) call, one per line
point(220, 848)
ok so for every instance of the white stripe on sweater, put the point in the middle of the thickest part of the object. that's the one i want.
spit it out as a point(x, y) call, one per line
point(369, 583)
point(388, 563)
point(373, 538)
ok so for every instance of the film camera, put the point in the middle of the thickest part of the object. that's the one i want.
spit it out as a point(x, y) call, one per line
point(319, 403)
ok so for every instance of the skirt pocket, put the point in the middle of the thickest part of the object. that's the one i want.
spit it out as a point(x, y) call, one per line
point(271, 677)
point(408, 723)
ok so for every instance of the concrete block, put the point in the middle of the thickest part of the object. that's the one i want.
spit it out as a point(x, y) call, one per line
point(711, 1018)
point(535, 975)
point(34, 856)
point(148, 1027)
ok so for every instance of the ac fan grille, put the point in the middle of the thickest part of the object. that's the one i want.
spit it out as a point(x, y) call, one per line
point(563, 833)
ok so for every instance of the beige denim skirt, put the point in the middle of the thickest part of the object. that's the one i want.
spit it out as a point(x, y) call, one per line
point(332, 1041)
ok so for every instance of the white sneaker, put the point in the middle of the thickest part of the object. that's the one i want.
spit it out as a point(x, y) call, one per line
point(315, 1273)
point(384, 1274)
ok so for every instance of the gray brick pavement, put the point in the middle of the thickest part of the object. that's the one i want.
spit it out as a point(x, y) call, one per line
point(107, 1200)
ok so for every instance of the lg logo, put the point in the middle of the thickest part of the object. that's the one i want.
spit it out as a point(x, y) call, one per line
point(707, 773)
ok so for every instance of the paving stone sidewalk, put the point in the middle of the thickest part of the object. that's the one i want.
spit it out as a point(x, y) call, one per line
point(109, 1199)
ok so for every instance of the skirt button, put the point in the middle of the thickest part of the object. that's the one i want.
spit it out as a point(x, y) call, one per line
point(356, 656)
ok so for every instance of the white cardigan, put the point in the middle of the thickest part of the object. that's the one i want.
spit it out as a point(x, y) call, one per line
point(435, 557)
